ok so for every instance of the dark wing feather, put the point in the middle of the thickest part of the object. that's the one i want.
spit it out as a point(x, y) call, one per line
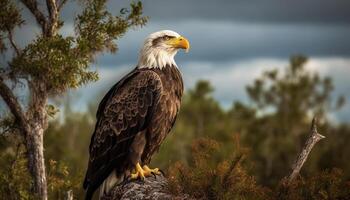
point(124, 111)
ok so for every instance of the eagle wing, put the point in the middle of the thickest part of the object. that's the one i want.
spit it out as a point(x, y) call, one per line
point(125, 110)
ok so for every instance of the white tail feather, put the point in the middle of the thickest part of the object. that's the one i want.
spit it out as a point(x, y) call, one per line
point(109, 182)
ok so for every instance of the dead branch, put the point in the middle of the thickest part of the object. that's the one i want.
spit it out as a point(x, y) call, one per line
point(302, 157)
point(32, 5)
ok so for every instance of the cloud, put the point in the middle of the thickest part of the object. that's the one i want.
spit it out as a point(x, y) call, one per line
point(228, 78)
point(224, 41)
point(215, 38)
point(256, 11)
point(88, 93)
point(336, 68)
point(230, 29)
point(253, 11)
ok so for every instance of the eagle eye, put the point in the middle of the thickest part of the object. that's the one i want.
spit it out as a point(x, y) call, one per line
point(162, 38)
point(167, 37)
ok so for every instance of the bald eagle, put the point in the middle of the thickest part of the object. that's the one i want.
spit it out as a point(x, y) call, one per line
point(136, 115)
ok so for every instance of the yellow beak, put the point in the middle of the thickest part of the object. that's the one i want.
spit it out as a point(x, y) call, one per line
point(180, 42)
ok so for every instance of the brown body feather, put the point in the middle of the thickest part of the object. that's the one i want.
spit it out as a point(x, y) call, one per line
point(133, 119)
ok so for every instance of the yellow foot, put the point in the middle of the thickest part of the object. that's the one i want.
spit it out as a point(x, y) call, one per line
point(147, 171)
point(138, 174)
point(142, 172)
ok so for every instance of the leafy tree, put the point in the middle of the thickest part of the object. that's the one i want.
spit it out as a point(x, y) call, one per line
point(52, 63)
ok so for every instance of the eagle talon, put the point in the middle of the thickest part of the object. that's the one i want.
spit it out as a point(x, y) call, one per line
point(139, 173)
point(149, 171)
point(162, 172)
point(154, 175)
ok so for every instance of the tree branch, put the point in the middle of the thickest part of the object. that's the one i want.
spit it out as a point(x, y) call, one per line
point(61, 5)
point(309, 144)
point(53, 17)
point(151, 188)
point(32, 5)
point(13, 43)
point(13, 104)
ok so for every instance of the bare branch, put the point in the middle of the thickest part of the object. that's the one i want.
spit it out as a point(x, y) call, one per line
point(13, 104)
point(49, 5)
point(32, 5)
point(13, 43)
point(311, 141)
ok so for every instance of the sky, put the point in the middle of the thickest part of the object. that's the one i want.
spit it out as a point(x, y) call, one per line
point(232, 43)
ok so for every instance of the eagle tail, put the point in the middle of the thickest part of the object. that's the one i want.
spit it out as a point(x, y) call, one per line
point(109, 182)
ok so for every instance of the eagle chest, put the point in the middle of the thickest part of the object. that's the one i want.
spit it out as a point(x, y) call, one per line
point(169, 103)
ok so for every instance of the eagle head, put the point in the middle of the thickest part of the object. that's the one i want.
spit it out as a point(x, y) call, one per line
point(160, 48)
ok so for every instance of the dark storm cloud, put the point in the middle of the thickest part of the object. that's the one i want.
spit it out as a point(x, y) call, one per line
point(261, 11)
point(270, 11)
point(233, 29)
point(212, 41)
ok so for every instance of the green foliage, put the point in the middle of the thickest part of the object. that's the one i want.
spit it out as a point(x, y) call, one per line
point(57, 58)
point(10, 18)
point(60, 181)
point(64, 62)
point(66, 153)
point(51, 110)
point(97, 28)
point(15, 180)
